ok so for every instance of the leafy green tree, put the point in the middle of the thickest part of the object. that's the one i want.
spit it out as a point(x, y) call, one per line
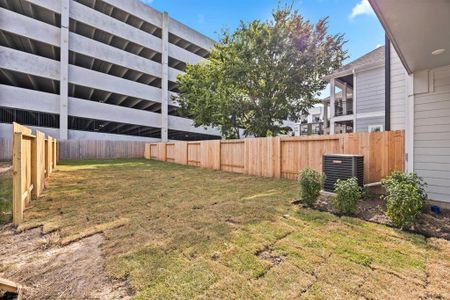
point(261, 74)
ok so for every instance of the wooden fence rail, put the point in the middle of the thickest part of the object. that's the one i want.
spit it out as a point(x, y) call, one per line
point(284, 157)
point(34, 159)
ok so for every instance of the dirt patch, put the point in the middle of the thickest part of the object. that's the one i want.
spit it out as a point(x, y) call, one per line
point(6, 170)
point(428, 224)
point(49, 271)
point(5, 167)
point(269, 256)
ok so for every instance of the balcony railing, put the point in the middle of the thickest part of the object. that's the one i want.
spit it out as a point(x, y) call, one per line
point(311, 128)
point(339, 109)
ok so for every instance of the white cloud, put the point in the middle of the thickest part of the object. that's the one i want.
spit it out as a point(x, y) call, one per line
point(362, 8)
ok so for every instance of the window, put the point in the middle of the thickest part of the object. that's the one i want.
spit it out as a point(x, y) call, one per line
point(375, 128)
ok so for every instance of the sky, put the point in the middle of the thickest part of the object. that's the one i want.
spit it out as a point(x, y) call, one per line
point(354, 18)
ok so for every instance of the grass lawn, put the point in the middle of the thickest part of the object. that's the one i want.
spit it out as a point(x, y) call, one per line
point(5, 194)
point(195, 233)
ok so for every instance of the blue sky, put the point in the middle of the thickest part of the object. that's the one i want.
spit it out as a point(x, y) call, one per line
point(354, 18)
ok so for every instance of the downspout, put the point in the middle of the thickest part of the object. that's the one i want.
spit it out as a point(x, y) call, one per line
point(387, 84)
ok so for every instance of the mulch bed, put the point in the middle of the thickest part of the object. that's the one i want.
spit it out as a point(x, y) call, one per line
point(373, 209)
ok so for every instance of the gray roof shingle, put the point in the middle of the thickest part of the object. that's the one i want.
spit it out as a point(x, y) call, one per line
point(374, 56)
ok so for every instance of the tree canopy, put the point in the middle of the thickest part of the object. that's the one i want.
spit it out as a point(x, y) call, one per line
point(261, 74)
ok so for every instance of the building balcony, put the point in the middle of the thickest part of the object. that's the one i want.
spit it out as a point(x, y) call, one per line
point(343, 110)
point(311, 128)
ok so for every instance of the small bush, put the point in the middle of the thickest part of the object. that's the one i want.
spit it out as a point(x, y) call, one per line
point(405, 198)
point(348, 193)
point(310, 184)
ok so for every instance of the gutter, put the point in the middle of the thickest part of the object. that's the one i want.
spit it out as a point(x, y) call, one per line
point(387, 84)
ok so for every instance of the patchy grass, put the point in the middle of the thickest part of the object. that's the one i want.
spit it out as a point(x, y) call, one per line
point(5, 194)
point(195, 233)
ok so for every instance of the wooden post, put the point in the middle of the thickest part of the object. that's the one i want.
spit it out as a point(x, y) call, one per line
point(49, 157)
point(46, 157)
point(55, 154)
point(276, 157)
point(246, 150)
point(184, 153)
point(147, 151)
point(18, 204)
point(38, 163)
point(162, 151)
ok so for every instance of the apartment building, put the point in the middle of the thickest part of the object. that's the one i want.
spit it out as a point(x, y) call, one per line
point(95, 69)
point(312, 123)
point(368, 94)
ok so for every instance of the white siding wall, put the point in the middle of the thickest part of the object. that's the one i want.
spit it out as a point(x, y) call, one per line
point(432, 134)
point(370, 91)
point(362, 124)
point(370, 99)
point(398, 92)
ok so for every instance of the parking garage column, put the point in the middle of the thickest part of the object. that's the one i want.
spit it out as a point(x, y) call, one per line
point(64, 71)
point(165, 78)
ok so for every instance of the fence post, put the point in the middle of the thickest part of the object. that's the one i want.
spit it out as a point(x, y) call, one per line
point(50, 155)
point(162, 151)
point(46, 157)
point(184, 153)
point(17, 178)
point(147, 151)
point(220, 154)
point(37, 163)
point(54, 153)
point(276, 157)
point(246, 150)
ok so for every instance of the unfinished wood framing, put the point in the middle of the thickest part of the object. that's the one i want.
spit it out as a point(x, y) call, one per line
point(38, 163)
point(10, 286)
point(284, 157)
point(30, 158)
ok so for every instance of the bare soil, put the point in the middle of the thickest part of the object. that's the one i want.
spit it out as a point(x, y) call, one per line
point(48, 271)
point(428, 224)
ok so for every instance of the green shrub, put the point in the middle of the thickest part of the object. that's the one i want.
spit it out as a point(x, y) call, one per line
point(348, 193)
point(405, 198)
point(310, 184)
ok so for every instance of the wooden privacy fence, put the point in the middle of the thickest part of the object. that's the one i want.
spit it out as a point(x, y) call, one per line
point(99, 149)
point(34, 158)
point(284, 157)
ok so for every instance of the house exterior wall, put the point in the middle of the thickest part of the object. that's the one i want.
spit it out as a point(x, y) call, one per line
point(110, 62)
point(362, 124)
point(370, 91)
point(432, 131)
point(399, 79)
point(370, 98)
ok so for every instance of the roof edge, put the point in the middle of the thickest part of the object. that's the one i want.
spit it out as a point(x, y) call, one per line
point(387, 30)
